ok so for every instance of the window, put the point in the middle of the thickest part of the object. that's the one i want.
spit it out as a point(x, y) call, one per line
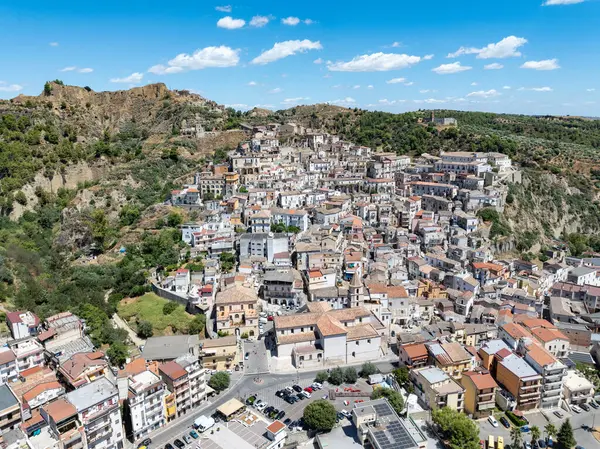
point(369, 340)
point(357, 343)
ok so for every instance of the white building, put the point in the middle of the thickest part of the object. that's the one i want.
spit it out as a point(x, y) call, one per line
point(8, 366)
point(28, 352)
point(577, 389)
point(22, 324)
point(146, 409)
point(97, 405)
point(584, 276)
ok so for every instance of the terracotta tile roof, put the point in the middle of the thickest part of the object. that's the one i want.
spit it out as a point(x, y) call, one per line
point(532, 323)
point(296, 338)
point(235, 295)
point(79, 363)
point(516, 331)
point(7, 356)
point(361, 332)
point(319, 306)
point(503, 353)
point(540, 355)
point(275, 427)
point(415, 350)
point(41, 388)
point(135, 367)
point(456, 352)
point(488, 266)
point(482, 381)
point(173, 370)
point(315, 274)
point(329, 326)
point(297, 320)
point(546, 335)
point(60, 410)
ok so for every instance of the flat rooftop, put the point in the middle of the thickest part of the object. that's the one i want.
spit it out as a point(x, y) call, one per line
point(92, 393)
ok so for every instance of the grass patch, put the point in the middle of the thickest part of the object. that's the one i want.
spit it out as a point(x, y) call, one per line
point(150, 308)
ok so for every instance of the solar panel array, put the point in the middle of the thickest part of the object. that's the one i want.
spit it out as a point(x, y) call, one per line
point(383, 410)
point(394, 437)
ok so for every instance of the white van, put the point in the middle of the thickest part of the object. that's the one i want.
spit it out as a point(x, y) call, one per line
point(203, 423)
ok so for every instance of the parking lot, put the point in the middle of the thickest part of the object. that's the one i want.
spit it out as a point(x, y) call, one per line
point(295, 411)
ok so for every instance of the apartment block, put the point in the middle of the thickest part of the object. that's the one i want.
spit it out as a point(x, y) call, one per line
point(10, 411)
point(480, 393)
point(219, 353)
point(519, 379)
point(145, 410)
point(436, 389)
point(452, 358)
point(64, 424)
point(8, 366)
point(197, 377)
point(177, 380)
point(413, 355)
point(97, 405)
point(577, 389)
point(28, 353)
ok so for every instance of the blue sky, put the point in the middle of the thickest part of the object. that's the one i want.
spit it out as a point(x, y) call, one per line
point(491, 55)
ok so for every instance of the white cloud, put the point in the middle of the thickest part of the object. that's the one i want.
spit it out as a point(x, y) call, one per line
point(410, 83)
point(287, 48)
point(425, 91)
point(357, 86)
point(86, 70)
point(473, 83)
point(493, 66)
point(134, 78)
point(376, 62)
point(276, 90)
point(506, 87)
point(591, 90)
point(561, 2)
point(427, 57)
point(336, 86)
point(237, 106)
point(68, 69)
point(292, 21)
point(387, 102)
point(53, 44)
point(446, 69)
point(370, 86)
point(537, 89)
point(396, 80)
point(308, 21)
point(226, 8)
point(207, 57)
point(506, 48)
point(397, 44)
point(484, 93)
point(252, 83)
point(318, 61)
point(264, 106)
point(296, 100)
point(327, 75)
point(546, 64)
point(230, 23)
point(73, 68)
point(259, 21)
point(430, 101)
point(10, 87)
point(343, 101)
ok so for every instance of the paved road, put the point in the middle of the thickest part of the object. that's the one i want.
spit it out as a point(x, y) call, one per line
point(258, 362)
point(241, 388)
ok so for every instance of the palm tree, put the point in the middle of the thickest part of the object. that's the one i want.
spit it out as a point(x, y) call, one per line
point(516, 438)
point(550, 430)
point(535, 433)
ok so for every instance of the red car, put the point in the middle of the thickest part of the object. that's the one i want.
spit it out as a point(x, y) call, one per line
point(308, 389)
point(270, 318)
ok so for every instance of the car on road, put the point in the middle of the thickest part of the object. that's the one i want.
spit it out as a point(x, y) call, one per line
point(169, 446)
point(280, 415)
point(297, 388)
point(541, 443)
point(575, 409)
point(146, 442)
point(179, 443)
point(194, 434)
point(247, 356)
point(585, 407)
point(346, 413)
point(558, 414)
point(493, 421)
point(187, 439)
point(594, 404)
point(505, 422)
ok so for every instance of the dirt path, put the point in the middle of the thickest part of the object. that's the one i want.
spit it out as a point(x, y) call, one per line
point(118, 322)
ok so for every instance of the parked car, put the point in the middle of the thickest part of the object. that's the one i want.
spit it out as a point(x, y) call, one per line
point(268, 410)
point(525, 429)
point(493, 421)
point(306, 394)
point(317, 385)
point(169, 446)
point(526, 445)
point(146, 442)
point(549, 442)
point(585, 407)
point(300, 396)
point(346, 413)
point(194, 434)
point(594, 404)
point(542, 444)
point(290, 390)
point(290, 399)
point(280, 415)
point(575, 409)
point(247, 356)
point(260, 407)
point(280, 393)
point(250, 400)
point(505, 422)
point(558, 414)
point(287, 421)
point(187, 439)
point(309, 389)
point(297, 388)
point(180, 444)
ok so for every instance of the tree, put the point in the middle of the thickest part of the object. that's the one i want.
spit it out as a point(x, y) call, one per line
point(227, 262)
point(321, 376)
point(243, 189)
point(174, 219)
point(367, 369)
point(145, 330)
point(117, 353)
point(401, 375)
point(169, 307)
point(219, 381)
point(456, 428)
point(550, 430)
point(565, 437)
point(535, 433)
point(197, 325)
point(336, 376)
point(516, 437)
point(394, 398)
point(320, 415)
point(47, 88)
point(350, 375)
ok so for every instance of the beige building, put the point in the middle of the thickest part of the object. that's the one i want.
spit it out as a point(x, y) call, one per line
point(480, 393)
point(236, 311)
point(577, 389)
point(219, 353)
point(452, 358)
point(436, 389)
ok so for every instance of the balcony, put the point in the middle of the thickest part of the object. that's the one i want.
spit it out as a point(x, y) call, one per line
point(486, 406)
point(99, 435)
point(530, 387)
point(530, 394)
point(97, 424)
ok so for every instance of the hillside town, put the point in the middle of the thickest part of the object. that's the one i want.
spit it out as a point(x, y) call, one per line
point(308, 254)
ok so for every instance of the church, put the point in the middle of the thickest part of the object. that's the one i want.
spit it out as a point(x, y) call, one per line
point(326, 337)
